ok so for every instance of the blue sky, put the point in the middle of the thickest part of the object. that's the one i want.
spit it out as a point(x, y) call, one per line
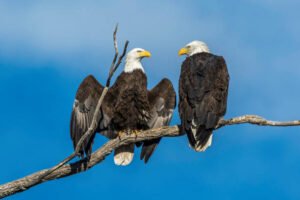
point(48, 47)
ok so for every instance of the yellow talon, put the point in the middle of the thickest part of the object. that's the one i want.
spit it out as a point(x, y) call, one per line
point(124, 133)
point(135, 132)
point(121, 134)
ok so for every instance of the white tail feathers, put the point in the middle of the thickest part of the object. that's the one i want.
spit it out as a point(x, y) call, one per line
point(124, 155)
point(201, 148)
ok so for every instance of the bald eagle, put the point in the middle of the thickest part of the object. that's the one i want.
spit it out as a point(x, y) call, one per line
point(128, 107)
point(203, 89)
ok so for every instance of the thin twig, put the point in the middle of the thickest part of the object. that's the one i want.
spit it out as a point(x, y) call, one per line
point(112, 66)
point(100, 154)
point(115, 39)
point(115, 67)
point(122, 56)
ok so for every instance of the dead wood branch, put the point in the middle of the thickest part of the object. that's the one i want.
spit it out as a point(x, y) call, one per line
point(255, 119)
point(100, 154)
point(96, 115)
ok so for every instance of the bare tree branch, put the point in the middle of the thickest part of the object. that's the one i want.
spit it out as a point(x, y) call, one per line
point(96, 115)
point(255, 119)
point(115, 66)
point(100, 154)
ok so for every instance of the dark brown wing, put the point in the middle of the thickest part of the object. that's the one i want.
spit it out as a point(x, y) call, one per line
point(203, 90)
point(86, 100)
point(162, 99)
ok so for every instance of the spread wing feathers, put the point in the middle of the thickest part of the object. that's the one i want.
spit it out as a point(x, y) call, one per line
point(162, 99)
point(84, 106)
point(203, 97)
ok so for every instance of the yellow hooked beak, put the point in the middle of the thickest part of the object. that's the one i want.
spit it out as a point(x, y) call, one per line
point(144, 54)
point(182, 51)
